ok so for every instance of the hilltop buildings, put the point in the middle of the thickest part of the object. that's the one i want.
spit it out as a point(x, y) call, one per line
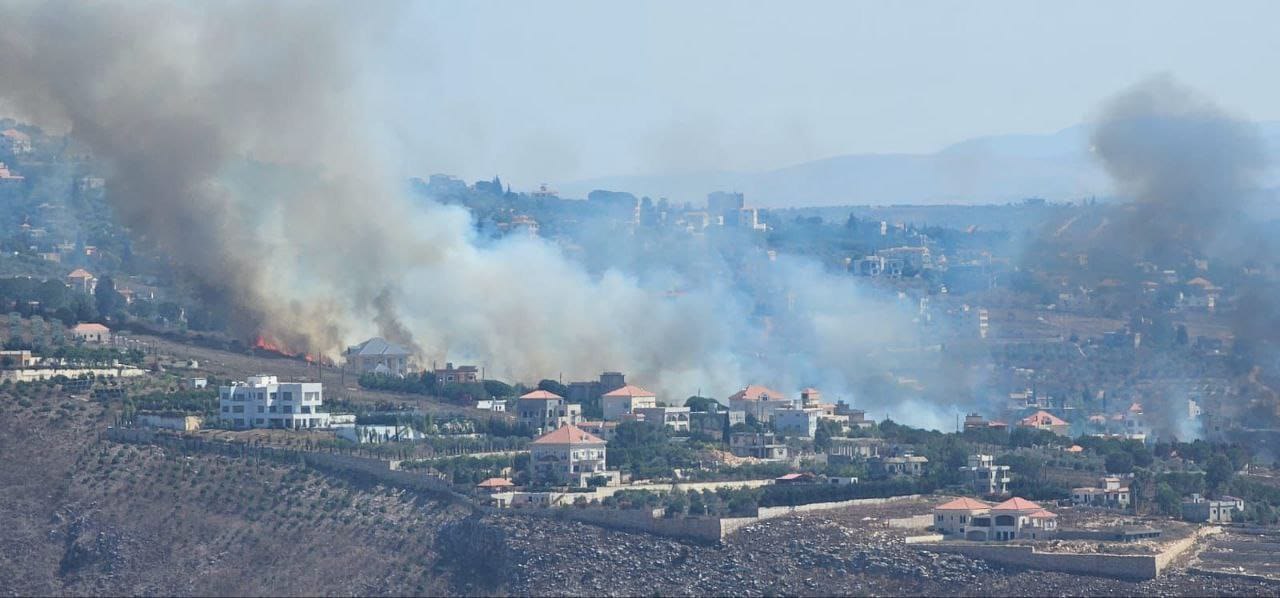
point(569, 455)
point(264, 402)
point(1013, 519)
point(544, 411)
point(463, 374)
point(378, 356)
point(628, 399)
point(985, 477)
point(1043, 420)
point(759, 402)
point(90, 332)
point(1109, 494)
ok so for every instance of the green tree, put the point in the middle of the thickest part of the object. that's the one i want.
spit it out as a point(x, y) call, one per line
point(1218, 473)
point(702, 404)
point(553, 387)
point(1119, 462)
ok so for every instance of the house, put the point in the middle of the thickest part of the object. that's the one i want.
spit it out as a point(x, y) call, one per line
point(170, 421)
point(985, 477)
point(9, 176)
point(494, 405)
point(544, 411)
point(492, 485)
point(376, 434)
point(627, 399)
point(952, 517)
point(1109, 493)
point(835, 480)
point(91, 333)
point(602, 429)
point(262, 401)
point(848, 450)
point(974, 421)
point(1202, 510)
point(716, 424)
point(906, 465)
point(18, 359)
point(81, 280)
point(796, 478)
point(758, 445)
point(796, 422)
point(1013, 519)
point(674, 418)
point(18, 142)
point(857, 418)
point(463, 374)
point(1134, 422)
point(1043, 420)
point(569, 455)
point(759, 402)
point(378, 355)
point(585, 392)
point(193, 383)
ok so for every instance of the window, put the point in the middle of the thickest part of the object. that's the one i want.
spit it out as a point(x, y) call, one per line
point(273, 408)
point(226, 409)
point(258, 421)
point(260, 409)
point(288, 408)
point(238, 409)
point(286, 395)
point(305, 409)
point(273, 396)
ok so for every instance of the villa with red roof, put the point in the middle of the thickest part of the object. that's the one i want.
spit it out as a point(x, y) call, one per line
point(569, 455)
point(81, 280)
point(1013, 519)
point(1043, 420)
point(759, 402)
point(619, 402)
point(544, 411)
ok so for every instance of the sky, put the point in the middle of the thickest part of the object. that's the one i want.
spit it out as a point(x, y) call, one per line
point(552, 91)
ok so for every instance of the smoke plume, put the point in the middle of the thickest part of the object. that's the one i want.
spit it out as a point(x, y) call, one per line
point(238, 143)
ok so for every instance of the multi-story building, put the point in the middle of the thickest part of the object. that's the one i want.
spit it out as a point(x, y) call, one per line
point(985, 477)
point(797, 422)
point(906, 465)
point(1043, 420)
point(848, 450)
point(544, 411)
point(1013, 519)
point(1109, 494)
point(674, 418)
point(759, 445)
point(264, 402)
point(759, 402)
point(585, 392)
point(568, 455)
point(81, 280)
point(628, 399)
point(380, 356)
point(463, 374)
point(716, 424)
point(857, 418)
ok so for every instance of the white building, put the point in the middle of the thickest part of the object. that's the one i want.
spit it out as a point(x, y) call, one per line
point(628, 399)
point(1109, 494)
point(544, 411)
point(796, 422)
point(675, 418)
point(379, 356)
point(1013, 519)
point(92, 333)
point(985, 476)
point(264, 402)
point(568, 455)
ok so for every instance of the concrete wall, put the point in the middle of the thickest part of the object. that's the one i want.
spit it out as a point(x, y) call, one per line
point(685, 486)
point(46, 374)
point(377, 470)
point(1122, 566)
point(916, 522)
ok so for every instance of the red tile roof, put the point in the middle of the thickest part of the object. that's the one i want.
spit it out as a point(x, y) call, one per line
point(495, 483)
point(79, 273)
point(1042, 418)
point(1043, 514)
point(90, 327)
point(753, 392)
point(569, 435)
point(629, 390)
point(1017, 504)
point(541, 395)
point(963, 504)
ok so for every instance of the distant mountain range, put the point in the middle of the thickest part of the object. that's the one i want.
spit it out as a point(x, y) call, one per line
point(994, 169)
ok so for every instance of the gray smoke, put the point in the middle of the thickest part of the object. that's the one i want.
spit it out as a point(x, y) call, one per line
point(1187, 164)
point(172, 98)
point(237, 141)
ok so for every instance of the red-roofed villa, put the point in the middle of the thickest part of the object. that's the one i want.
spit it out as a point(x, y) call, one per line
point(1013, 519)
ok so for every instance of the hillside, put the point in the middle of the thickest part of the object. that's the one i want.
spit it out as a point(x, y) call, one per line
point(992, 169)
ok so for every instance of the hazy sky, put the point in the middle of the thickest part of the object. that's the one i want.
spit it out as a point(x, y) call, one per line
point(555, 91)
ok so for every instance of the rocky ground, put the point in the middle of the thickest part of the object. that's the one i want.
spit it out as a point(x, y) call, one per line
point(819, 554)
